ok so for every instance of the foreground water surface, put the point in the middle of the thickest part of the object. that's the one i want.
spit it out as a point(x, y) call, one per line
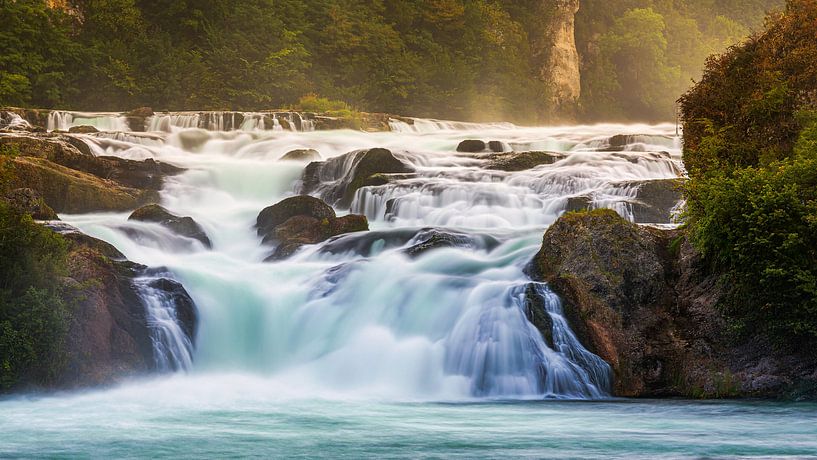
point(243, 416)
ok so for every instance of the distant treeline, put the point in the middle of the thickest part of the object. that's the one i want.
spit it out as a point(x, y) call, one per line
point(461, 59)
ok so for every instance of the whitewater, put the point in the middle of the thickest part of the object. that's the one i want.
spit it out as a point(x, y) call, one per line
point(353, 348)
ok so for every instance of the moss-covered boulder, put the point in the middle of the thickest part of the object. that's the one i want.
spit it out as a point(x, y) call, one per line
point(613, 278)
point(28, 201)
point(184, 226)
point(62, 171)
point(643, 300)
point(71, 191)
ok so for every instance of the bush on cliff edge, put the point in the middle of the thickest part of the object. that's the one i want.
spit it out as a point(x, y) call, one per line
point(33, 315)
point(750, 134)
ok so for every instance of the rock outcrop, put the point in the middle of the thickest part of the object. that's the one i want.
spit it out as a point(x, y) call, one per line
point(556, 51)
point(184, 226)
point(109, 337)
point(520, 161)
point(336, 180)
point(299, 220)
point(641, 298)
point(63, 172)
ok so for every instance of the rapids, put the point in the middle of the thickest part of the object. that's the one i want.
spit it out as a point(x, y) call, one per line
point(356, 315)
point(353, 348)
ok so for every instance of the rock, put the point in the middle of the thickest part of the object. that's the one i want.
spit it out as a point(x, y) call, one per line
point(143, 112)
point(556, 57)
point(520, 161)
point(579, 203)
point(301, 205)
point(30, 202)
point(471, 146)
point(537, 314)
point(496, 146)
point(435, 239)
point(71, 191)
point(302, 155)
point(644, 300)
point(184, 226)
point(109, 338)
point(612, 277)
point(301, 220)
point(656, 199)
point(83, 129)
point(337, 179)
point(185, 308)
point(71, 180)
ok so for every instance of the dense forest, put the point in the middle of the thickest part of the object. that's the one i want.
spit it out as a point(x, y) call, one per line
point(750, 146)
point(459, 59)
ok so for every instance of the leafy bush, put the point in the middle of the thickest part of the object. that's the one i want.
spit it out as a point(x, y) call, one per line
point(750, 146)
point(314, 103)
point(33, 315)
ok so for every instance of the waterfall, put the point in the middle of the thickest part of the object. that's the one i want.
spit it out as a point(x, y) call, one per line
point(64, 120)
point(172, 347)
point(376, 314)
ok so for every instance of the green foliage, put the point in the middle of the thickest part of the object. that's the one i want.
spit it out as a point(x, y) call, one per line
point(33, 316)
point(750, 146)
point(639, 55)
point(314, 103)
point(462, 59)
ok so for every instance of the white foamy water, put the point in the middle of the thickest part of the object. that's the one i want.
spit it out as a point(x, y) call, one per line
point(356, 315)
point(351, 348)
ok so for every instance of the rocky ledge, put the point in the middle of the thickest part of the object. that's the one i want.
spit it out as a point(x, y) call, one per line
point(62, 169)
point(642, 299)
point(109, 338)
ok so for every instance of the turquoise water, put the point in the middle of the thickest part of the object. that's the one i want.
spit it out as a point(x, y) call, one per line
point(219, 417)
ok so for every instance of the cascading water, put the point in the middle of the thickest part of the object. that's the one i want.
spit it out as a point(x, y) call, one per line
point(173, 349)
point(362, 314)
point(63, 121)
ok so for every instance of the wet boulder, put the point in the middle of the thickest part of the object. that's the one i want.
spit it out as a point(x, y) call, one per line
point(656, 199)
point(303, 155)
point(520, 161)
point(337, 179)
point(184, 226)
point(301, 205)
point(301, 220)
point(137, 118)
point(497, 146)
point(471, 146)
point(435, 239)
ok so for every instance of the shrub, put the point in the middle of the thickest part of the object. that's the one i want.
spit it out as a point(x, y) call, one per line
point(33, 315)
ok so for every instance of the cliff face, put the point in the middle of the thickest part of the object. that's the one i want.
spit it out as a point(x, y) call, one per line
point(560, 69)
point(641, 298)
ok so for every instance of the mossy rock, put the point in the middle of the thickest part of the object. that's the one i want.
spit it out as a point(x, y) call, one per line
point(302, 155)
point(70, 191)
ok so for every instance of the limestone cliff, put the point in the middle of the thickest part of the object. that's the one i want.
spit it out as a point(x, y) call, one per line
point(560, 66)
